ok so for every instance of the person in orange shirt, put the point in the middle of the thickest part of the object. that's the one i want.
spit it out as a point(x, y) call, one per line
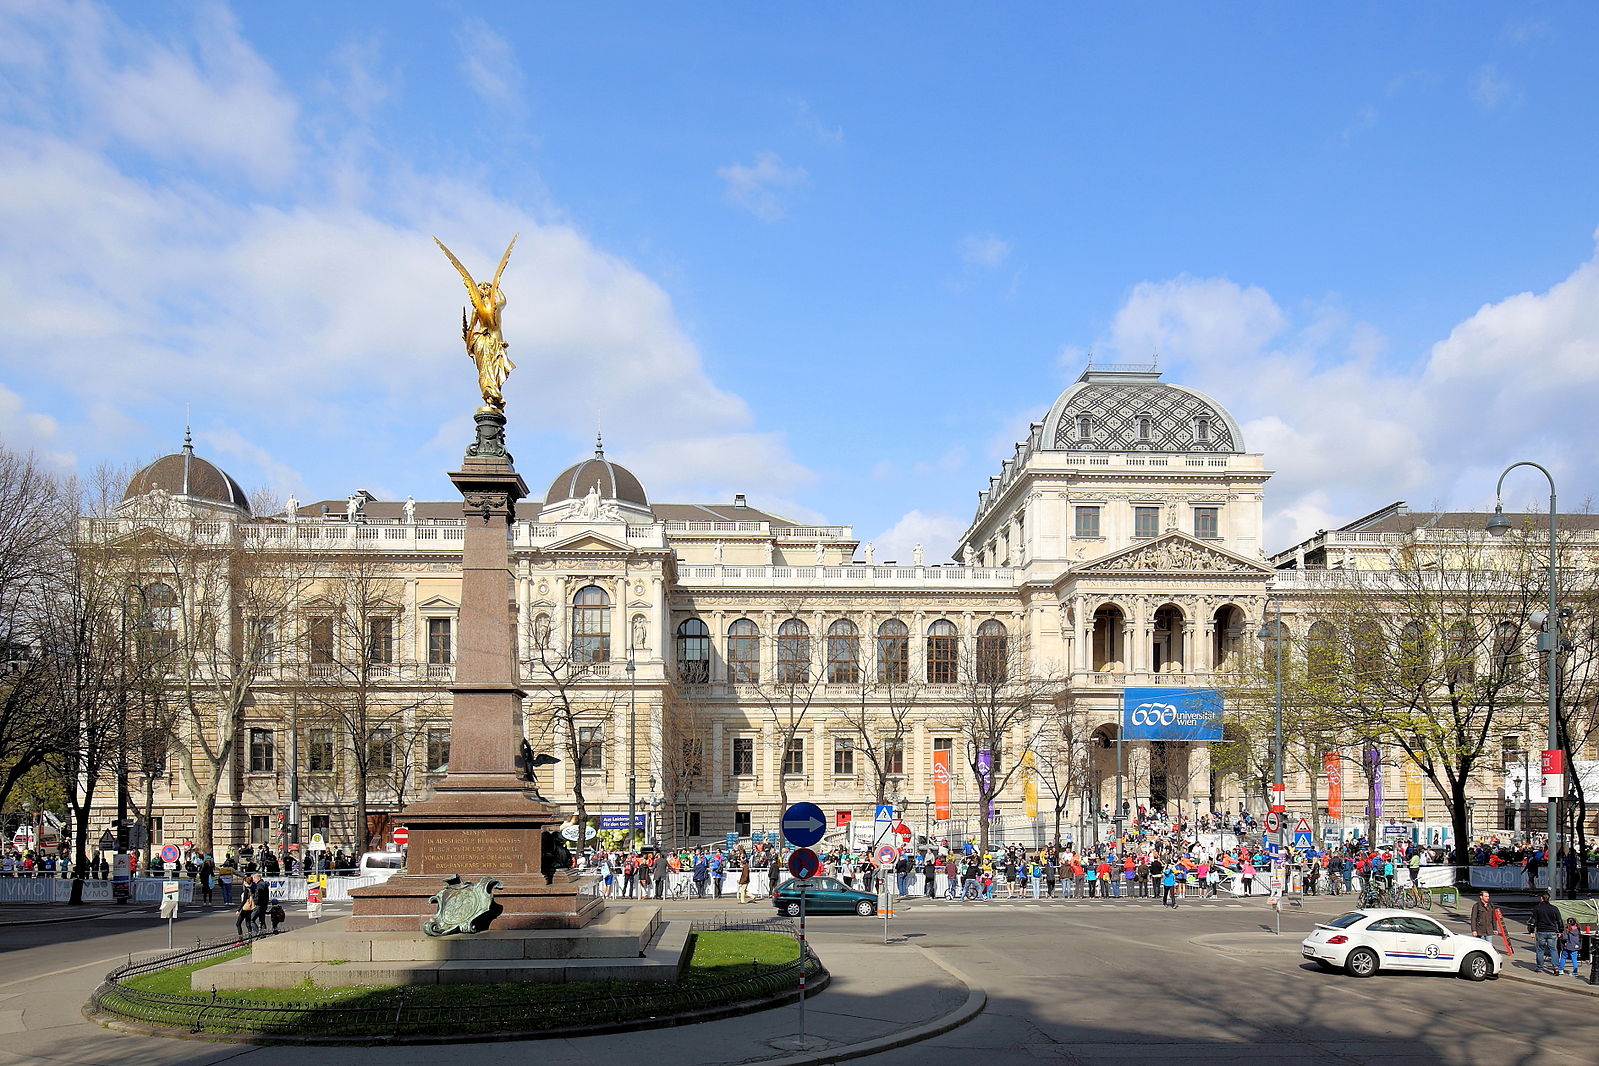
point(1107, 884)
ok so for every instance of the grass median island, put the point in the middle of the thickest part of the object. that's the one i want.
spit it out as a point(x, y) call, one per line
point(724, 967)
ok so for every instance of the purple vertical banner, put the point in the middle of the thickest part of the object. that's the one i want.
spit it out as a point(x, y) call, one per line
point(985, 777)
point(1375, 757)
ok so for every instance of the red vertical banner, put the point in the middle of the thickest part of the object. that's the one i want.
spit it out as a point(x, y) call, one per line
point(1333, 767)
point(941, 784)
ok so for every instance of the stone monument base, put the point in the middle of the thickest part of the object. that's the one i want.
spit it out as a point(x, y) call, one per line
point(471, 833)
point(624, 943)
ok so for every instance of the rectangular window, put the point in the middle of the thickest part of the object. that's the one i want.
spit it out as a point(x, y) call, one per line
point(320, 826)
point(843, 755)
point(440, 650)
point(1146, 522)
point(158, 829)
point(894, 758)
point(380, 640)
point(943, 744)
point(319, 639)
point(743, 756)
point(1087, 524)
point(263, 760)
point(319, 750)
point(438, 750)
point(741, 823)
point(260, 829)
point(590, 747)
point(794, 757)
point(691, 823)
point(380, 752)
point(1207, 523)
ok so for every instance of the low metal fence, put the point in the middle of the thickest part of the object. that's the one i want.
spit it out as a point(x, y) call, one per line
point(407, 1010)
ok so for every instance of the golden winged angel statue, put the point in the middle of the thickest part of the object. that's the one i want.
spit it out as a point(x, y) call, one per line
point(481, 332)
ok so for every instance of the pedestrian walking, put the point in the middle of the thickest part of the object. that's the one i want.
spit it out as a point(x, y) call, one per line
point(1545, 925)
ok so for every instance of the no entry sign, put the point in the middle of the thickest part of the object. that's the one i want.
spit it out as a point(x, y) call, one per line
point(401, 835)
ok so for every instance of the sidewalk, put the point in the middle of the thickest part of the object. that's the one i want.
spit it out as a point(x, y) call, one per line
point(880, 997)
point(47, 913)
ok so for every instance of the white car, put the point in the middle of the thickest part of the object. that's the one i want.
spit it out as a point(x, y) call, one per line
point(1365, 941)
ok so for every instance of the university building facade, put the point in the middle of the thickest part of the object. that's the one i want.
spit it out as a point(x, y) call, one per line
point(715, 660)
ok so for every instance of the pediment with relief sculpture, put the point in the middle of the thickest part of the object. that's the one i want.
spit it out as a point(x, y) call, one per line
point(1174, 553)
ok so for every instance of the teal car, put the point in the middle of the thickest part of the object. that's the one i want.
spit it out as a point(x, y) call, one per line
point(823, 895)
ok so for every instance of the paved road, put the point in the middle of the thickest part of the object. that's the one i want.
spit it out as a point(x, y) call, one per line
point(1068, 982)
point(1085, 982)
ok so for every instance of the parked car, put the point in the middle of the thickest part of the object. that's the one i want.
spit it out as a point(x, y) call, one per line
point(1365, 941)
point(823, 895)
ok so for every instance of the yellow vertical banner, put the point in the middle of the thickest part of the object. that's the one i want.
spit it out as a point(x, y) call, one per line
point(1416, 808)
point(1029, 785)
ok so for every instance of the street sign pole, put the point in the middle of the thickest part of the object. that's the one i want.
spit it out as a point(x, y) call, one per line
point(802, 825)
point(802, 1040)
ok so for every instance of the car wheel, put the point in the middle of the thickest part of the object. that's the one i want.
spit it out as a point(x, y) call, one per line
point(1476, 967)
point(792, 909)
point(865, 908)
point(1362, 962)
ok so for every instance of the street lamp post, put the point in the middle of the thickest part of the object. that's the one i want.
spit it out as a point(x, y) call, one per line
point(1549, 644)
point(632, 719)
point(1272, 634)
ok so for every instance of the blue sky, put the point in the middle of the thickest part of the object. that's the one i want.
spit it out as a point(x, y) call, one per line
point(832, 256)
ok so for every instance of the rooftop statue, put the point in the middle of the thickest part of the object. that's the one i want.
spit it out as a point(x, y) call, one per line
point(481, 332)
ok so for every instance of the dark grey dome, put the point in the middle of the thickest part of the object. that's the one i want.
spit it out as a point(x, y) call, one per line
point(614, 482)
point(1115, 408)
point(187, 476)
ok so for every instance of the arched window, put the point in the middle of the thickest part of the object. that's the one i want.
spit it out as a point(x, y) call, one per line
point(591, 625)
point(991, 649)
point(893, 652)
point(694, 652)
point(1507, 656)
point(1321, 653)
point(1462, 654)
point(1085, 428)
point(1146, 427)
point(744, 652)
point(1413, 655)
point(941, 652)
point(794, 652)
point(160, 606)
point(1202, 430)
point(843, 653)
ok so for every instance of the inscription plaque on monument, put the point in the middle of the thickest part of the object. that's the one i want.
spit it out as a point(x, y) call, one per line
point(502, 850)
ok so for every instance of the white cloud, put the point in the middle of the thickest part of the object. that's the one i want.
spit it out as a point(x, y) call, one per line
point(490, 66)
point(935, 531)
point(807, 120)
point(22, 430)
point(757, 187)
point(1491, 90)
point(325, 310)
point(984, 250)
point(1347, 434)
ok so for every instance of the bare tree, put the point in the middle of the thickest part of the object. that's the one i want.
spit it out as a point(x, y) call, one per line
point(1060, 760)
point(1000, 699)
point(558, 684)
point(685, 739)
point(788, 694)
point(217, 600)
point(355, 681)
point(878, 710)
point(36, 521)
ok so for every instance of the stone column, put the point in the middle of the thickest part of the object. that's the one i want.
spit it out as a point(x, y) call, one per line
point(1199, 775)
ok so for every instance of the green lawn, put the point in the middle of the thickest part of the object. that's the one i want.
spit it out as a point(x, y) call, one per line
point(739, 959)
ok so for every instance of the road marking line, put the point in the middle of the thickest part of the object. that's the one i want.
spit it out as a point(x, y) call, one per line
point(98, 962)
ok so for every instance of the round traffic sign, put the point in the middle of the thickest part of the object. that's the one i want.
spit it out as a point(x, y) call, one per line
point(803, 824)
point(1273, 822)
point(803, 862)
point(169, 853)
point(401, 835)
point(886, 855)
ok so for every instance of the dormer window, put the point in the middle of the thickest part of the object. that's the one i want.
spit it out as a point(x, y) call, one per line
point(1202, 430)
point(1085, 428)
point(1146, 427)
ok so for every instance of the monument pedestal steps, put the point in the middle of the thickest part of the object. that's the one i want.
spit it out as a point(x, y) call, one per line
point(626, 943)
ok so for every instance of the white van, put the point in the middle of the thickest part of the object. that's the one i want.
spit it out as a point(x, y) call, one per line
point(380, 864)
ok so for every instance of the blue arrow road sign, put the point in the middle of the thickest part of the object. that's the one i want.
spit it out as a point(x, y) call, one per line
point(803, 824)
